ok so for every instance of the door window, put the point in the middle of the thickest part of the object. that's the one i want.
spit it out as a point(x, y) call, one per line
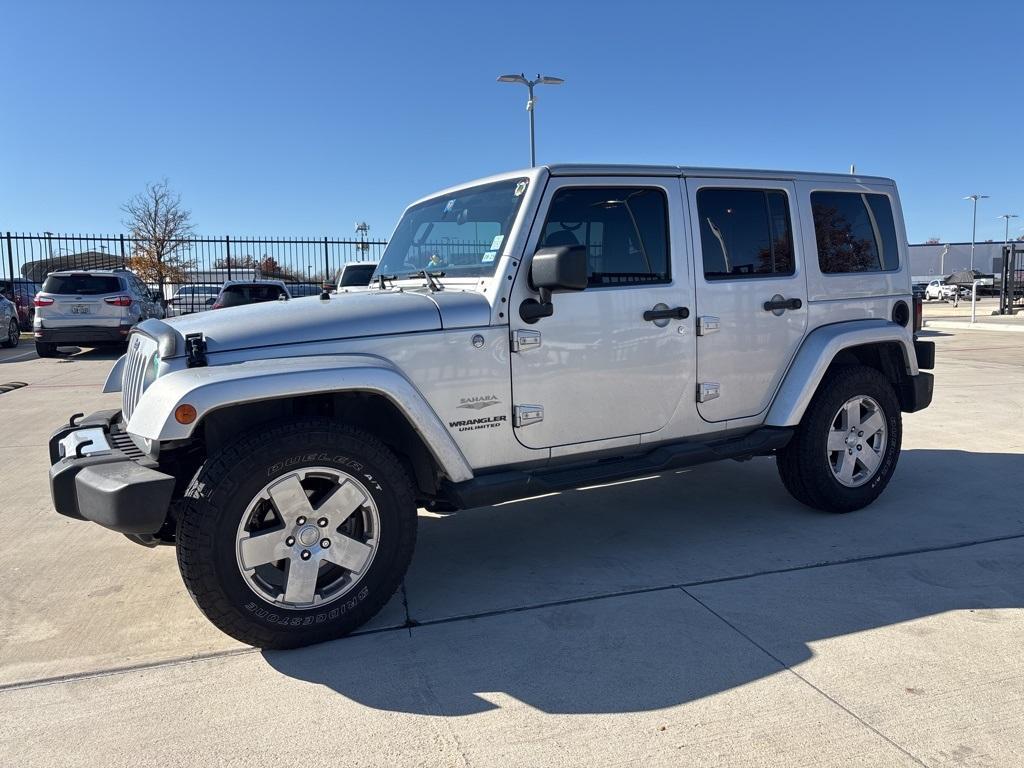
point(745, 233)
point(624, 229)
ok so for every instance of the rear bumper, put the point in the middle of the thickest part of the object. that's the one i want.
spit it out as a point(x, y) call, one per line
point(83, 334)
point(916, 392)
point(116, 486)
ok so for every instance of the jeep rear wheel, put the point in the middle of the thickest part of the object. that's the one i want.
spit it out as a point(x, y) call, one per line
point(296, 533)
point(845, 449)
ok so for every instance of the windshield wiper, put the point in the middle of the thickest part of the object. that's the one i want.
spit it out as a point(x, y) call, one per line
point(430, 278)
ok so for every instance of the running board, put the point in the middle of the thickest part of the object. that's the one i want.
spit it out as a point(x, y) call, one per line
point(495, 488)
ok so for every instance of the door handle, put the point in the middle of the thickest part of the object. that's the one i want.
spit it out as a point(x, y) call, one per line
point(675, 313)
point(779, 304)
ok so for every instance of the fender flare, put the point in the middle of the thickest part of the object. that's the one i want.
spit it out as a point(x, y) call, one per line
point(818, 351)
point(210, 388)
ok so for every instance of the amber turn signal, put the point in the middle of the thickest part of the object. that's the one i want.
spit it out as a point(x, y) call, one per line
point(185, 413)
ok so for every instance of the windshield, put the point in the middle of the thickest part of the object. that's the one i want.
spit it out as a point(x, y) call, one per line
point(459, 234)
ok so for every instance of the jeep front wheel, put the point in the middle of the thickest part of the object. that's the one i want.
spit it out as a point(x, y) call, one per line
point(845, 449)
point(296, 533)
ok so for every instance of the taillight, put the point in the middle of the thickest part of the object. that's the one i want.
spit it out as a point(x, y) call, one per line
point(119, 301)
point(918, 313)
point(42, 301)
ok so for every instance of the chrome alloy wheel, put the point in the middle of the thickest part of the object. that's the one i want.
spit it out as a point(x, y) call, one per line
point(306, 537)
point(856, 441)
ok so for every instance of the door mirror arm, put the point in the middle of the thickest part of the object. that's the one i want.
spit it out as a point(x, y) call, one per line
point(563, 268)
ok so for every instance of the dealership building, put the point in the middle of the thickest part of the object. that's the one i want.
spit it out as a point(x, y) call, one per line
point(931, 260)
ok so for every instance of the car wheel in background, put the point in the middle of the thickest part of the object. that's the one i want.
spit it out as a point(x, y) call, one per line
point(13, 334)
point(46, 349)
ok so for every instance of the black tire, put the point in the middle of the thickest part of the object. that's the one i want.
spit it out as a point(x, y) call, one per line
point(13, 335)
point(804, 463)
point(46, 349)
point(218, 496)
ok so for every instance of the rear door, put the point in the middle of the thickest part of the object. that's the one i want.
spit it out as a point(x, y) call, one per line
point(751, 291)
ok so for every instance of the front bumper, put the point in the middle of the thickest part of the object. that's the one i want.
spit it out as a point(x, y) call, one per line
point(85, 334)
point(110, 481)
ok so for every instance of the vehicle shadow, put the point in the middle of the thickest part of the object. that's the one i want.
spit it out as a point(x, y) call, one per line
point(71, 354)
point(594, 601)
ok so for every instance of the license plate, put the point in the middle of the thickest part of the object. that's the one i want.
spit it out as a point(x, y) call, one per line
point(79, 309)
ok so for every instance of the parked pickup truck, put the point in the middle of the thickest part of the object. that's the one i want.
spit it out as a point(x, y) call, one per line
point(526, 333)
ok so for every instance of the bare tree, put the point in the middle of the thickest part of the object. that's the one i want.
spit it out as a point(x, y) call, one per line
point(160, 230)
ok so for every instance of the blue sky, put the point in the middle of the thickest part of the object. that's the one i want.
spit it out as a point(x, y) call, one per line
point(276, 118)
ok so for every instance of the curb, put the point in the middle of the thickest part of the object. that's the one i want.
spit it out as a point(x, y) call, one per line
point(969, 326)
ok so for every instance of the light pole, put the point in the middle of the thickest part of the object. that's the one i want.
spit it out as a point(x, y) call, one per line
point(974, 226)
point(539, 80)
point(1006, 217)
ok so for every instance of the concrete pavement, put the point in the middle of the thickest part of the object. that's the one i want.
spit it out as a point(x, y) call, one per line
point(700, 617)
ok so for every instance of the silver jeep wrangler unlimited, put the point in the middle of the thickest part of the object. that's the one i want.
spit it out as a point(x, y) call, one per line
point(525, 333)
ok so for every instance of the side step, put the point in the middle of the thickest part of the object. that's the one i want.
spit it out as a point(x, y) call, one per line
point(497, 487)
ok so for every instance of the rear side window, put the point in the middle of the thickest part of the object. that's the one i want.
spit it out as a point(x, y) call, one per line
point(745, 233)
point(624, 229)
point(235, 295)
point(855, 232)
point(82, 285)
point(356, 275)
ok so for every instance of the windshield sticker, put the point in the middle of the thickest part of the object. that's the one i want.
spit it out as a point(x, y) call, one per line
point(448, 206)
point(521, 187)
point(489, 257)
point(497, 241)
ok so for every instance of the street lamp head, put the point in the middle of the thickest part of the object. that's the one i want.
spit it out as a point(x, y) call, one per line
point(550, 80)
point(976, 197)
point(513, 79)
point(1008, 216)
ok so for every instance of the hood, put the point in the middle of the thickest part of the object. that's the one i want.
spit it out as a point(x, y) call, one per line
point(344, 316)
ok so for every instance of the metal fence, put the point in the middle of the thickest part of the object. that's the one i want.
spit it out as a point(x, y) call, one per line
point(194, 261)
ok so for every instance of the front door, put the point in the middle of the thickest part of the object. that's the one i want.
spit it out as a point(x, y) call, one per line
point(597, 368)
point(751, 291)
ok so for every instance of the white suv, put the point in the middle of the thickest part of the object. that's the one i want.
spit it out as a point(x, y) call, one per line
point(938, 290)
point(527, 333)
point(90, 308)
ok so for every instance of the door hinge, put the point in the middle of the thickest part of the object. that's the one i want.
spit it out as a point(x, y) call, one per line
point(707, 390)
point(525, 415)
point(523, 340)
point(708, 324)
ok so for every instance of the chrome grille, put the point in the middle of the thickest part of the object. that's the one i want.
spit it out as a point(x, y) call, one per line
point(133, 376)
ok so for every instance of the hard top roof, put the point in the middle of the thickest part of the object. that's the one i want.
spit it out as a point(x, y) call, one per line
point(590, 169)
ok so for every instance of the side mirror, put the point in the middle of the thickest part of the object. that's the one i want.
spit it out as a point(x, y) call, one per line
point(563, 268)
